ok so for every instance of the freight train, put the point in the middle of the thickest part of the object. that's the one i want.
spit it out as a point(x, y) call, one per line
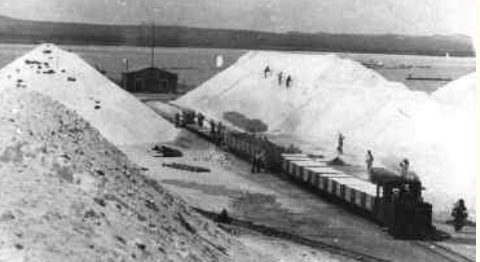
point(390, 200)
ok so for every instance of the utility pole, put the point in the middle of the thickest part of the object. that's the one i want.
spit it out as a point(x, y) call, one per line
point(152, 62)
point(125, 74)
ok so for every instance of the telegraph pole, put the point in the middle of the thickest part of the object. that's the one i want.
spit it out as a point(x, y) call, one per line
point(152, 57)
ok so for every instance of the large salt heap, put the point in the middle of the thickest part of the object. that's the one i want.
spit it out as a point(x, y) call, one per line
point(67, 78)
point(67, 194)
point(330, 95)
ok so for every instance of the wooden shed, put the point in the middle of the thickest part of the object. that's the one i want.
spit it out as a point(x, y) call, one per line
point(151, 80)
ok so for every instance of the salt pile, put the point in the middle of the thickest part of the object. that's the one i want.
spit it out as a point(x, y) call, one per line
point(67, 78)
point(330, 95)
point(67, 194)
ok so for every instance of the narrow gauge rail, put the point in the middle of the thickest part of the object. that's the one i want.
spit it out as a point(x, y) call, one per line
point(443, 252)
point(273, 232)
point(388, 199)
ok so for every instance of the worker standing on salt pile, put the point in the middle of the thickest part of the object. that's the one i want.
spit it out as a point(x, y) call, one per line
point(266, 71)
point(369, 160)
point(280, 78)
point(289, 81)
point(459, 214)
point(341, 137)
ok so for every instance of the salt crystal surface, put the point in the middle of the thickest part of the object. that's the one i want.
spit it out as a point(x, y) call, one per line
point(119, 116)
point(330, 95)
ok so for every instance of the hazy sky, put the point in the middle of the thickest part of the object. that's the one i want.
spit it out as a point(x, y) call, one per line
point(337, 16)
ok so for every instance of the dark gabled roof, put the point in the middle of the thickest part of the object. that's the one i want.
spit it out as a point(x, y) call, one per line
point(149, 68)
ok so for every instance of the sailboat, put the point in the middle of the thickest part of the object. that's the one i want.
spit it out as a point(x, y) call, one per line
point(219, 61)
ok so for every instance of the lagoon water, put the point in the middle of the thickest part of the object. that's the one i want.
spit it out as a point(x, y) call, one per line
point(196, 65)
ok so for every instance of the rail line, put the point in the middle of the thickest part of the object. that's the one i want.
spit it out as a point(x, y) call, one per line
point(277, 233)
point(443, 252)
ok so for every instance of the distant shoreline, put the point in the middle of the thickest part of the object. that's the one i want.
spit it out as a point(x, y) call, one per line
point(259, 48)
point(19, 31)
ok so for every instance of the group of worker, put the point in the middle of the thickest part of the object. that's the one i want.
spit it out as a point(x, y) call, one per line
point(217, 132)
point(288, 81)
point(404, 164)
point(459, 211)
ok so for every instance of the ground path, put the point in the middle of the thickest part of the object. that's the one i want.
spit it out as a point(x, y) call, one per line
point(275, 202)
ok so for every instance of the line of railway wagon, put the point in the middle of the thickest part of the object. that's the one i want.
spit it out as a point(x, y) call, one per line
point(390, 200)
point(318, 174)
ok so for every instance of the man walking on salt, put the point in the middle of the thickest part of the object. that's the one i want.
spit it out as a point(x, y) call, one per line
point(280, 78)
point(289, 81)
point(341, 137)
point(266, 71)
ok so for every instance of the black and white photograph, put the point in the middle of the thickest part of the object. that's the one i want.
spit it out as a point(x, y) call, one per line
point(237, 130)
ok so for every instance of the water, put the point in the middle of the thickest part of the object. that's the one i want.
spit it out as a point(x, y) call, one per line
point(196, 65)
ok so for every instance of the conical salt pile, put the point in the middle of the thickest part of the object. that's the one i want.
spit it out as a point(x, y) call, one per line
point(328, 95)
point(67, 78)
point(67, 194)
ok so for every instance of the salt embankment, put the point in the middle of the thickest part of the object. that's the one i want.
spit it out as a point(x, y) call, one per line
point(67, 194)
point(330, 95)
point(67, 78)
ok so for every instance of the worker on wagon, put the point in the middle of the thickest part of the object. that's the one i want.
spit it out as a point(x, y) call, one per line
point(177, 120)
point(459, 214)
point(341, 137)
point(212, 128)
point(369, 160)
point(404, 166)
point(289, 81)
point(200, 119)
point(280, 78)
point(266, 71)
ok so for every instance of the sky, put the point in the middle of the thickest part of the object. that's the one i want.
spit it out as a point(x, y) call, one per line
point(417, 17)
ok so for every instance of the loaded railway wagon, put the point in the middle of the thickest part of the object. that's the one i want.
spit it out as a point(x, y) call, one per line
point(389, 199)
point(392, 201)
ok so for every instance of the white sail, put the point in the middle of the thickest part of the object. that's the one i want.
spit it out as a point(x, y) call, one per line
point(219, 61)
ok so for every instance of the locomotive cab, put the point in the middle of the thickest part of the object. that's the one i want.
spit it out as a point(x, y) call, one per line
point(188, 117)
point(401, 208)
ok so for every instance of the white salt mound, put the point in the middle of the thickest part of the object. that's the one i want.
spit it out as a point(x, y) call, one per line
point(330, 95)
point(67, 78)
point(67, 194)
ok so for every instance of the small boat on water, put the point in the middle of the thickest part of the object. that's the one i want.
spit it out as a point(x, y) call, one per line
point(219, 61)
point(423, 78)
point(373, 64)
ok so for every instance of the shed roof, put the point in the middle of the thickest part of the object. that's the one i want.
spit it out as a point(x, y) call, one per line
point(148, 68)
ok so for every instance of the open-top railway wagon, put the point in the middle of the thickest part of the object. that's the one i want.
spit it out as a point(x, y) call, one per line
point(388, 199)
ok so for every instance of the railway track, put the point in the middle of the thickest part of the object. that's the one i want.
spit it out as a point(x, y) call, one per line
point(276, 233)
point(445, 253)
